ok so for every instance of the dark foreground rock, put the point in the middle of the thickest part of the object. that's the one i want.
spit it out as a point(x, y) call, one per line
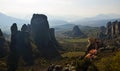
point(44, 36)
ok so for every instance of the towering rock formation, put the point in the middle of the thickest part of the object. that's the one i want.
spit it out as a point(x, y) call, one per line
point(112, 29)
point(102, 32)
point(102, 29)
point(12, 60)
point(2, 44)
point(40, 29)
point(109, 30)
point(52, 37)
point(20, 46)
point(24, 45)
point(117, 28)
point(43, 36)
point(76, 32)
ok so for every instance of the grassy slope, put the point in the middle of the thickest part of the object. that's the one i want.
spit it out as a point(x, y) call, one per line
point(103, 60)
point(72, 54)
point(73, 44)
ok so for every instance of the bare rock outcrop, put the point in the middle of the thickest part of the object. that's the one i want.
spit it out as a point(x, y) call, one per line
point(44, 36)
point(52, 37)
point(76, 32)
point(2, 44)
point(20, 47)
point(102, 32)
point(111, 31)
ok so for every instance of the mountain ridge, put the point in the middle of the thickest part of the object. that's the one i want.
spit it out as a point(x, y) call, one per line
point(6, 21)
point(96, 21)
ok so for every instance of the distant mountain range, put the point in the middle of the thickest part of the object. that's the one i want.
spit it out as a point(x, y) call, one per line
point(7, 21)
point(99, 20)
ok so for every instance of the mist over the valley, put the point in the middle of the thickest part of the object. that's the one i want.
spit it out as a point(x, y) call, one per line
point(59, 22)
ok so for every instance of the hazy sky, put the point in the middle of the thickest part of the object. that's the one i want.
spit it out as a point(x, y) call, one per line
point(82, 8)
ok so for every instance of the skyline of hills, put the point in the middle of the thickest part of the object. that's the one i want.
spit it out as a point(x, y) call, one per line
point(99, 20)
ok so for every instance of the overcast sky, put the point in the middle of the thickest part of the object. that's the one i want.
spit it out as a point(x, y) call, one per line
point(82, 8)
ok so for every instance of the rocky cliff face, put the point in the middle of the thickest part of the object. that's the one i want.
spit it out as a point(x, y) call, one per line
point(52, 37)
point(112, 30)
point(117, 25)
point(44, 36)
point(102, 32)
point(40, 29)
point(2, 44)
point(109, 30)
